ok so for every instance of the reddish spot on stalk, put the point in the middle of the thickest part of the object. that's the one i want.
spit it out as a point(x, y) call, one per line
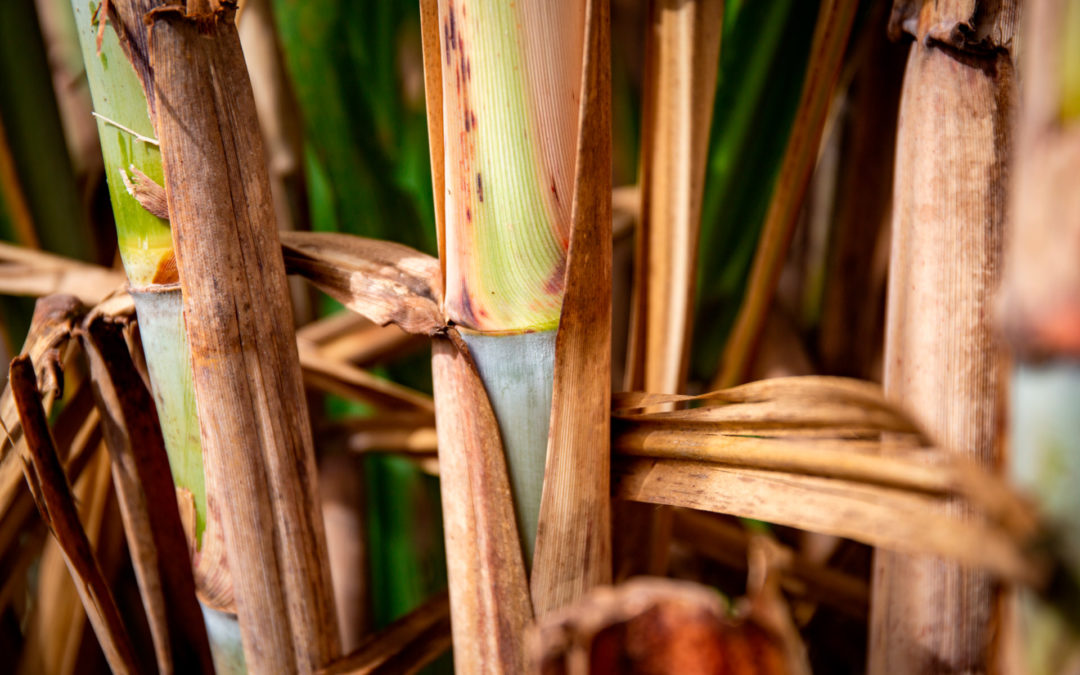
point(554, 190)
point(453, 27)
point(479, 187)
point(554, 284)
point(467, 315)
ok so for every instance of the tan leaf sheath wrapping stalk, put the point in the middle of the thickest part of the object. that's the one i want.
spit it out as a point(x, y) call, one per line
point(255, 429)
point(489, 595)
point(573, 541)
point(942, 360)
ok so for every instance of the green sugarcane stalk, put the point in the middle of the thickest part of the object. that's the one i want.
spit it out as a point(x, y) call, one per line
point(510, 116)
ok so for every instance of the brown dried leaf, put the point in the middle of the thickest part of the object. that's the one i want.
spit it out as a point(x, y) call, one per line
point(381, 280)
point(891, 518)
point(50, 331)
point(489, 593)
point(347, 380)
point(148, 193)
point(826, 57)
point(682, 50)
point(27, 272)
point(351, 338)
point(49, 487)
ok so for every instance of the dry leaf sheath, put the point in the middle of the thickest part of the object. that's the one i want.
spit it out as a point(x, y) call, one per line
point(942, 358)
point(253, 415)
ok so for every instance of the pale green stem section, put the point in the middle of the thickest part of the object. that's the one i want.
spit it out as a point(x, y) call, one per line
point(517, 370)
point(145, 242)
point(144, 239)
point(226, 650)
point(507, 192)
point(1045, 463)
point(161, 327)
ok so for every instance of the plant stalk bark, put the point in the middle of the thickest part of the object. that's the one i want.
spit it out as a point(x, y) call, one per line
point(942, 358)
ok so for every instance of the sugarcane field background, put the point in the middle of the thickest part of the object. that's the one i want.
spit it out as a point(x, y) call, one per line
point(546, 336)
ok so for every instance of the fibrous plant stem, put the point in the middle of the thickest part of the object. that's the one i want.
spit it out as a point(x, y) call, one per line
point(253, 415)
point(146, 248)
point(942, 358)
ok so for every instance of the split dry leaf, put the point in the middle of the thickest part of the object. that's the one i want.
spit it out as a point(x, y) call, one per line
point(653, 625)
point(143, 481)
point(383, 281)
point(489, 593)
point(27, 272)
point(351, 382)
point(826, 58)
point(405, 646)
point(52, 494)
point(573, 540)
point(351, 338)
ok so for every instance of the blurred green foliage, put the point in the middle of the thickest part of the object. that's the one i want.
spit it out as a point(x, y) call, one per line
point(763, 57)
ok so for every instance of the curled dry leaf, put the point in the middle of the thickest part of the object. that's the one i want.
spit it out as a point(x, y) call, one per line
point(46, 344)
point(380, 280)
point(651, 625)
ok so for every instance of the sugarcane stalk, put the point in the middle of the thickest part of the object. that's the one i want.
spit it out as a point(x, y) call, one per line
point(1041, 317)
point(942, 357)
point(510, 113)
point(248, 387)
point(145, 244)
